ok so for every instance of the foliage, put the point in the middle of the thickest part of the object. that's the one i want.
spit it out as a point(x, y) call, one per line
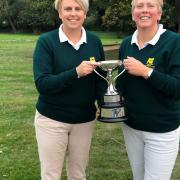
point(96, 11)
point(9, 12)
point(37, 15)
point(168, 15)
point(31, 15)
point(113, 15)
point(177, 14)
point(118, 16)
point(90, 22)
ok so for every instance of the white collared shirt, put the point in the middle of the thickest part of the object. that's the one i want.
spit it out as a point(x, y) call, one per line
point(153, 41)
point(63, 38)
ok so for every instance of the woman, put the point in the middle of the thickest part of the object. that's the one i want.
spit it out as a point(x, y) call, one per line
point(64, 60)
point(151, 89)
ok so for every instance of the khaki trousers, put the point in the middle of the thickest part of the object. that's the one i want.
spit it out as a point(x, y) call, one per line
point(57, 140)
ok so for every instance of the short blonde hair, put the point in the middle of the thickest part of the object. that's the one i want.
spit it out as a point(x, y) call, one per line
point(83, 3)
point(159, 2)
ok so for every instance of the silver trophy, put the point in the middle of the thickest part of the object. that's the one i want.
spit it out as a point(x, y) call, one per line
point(112, 108)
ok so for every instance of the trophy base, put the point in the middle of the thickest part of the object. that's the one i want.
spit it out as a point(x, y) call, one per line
point(112, 120)
point(112, 113)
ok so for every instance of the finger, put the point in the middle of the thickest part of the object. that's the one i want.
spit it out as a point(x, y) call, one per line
point(95, 63)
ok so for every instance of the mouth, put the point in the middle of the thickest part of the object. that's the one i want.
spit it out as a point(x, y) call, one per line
point(73, 20)
point(144, 17)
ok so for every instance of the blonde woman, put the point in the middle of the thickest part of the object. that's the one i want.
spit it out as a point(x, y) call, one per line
point(151, 88)
point(63, 64)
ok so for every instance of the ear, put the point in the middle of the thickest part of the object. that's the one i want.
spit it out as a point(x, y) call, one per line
point(60, 15)
point(159, 17)
point(132, 17)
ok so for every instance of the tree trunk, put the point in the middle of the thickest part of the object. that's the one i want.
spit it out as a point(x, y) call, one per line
point(9, 17)
point(12, 24)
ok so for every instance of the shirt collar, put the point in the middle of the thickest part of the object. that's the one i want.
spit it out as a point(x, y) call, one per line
point(64, 38)
point(153, 41)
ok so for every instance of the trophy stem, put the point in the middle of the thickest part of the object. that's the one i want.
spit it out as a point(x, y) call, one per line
point(111, 90)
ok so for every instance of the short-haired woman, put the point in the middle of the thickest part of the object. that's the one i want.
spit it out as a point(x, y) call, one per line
point(63, 64)
point(151, 89)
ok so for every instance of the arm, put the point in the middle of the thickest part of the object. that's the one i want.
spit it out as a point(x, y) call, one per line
point(45, 80)
point(167, 83)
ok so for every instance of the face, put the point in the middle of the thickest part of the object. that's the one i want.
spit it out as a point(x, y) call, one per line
point(146, 13)
point(72, 15)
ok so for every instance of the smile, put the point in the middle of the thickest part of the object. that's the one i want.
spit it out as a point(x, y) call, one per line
point(144, 18)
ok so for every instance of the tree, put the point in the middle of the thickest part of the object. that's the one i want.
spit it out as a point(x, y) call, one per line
point(95, 14)
point(37, 15)
point(177, 13)
point(118, 16)
point(9, 10)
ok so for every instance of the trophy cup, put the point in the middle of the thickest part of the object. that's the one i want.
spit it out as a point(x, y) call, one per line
point(112, 108)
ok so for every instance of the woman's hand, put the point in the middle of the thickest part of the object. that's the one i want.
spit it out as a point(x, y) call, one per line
point(135, 67)
point(85, 68)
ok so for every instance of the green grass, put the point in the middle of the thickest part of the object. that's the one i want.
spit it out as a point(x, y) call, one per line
point(17, 37)
point(18, 148)
point(108, 38)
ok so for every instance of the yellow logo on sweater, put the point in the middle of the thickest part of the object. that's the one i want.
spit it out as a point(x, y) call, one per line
point(150, 62)
point(92, 59)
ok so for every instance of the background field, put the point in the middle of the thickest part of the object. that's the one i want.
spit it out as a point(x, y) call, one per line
point(18, 149)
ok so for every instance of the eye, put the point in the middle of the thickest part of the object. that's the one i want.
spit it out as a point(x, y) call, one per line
point(139, 6)
point(68, 9)
point(151, 6)
point(78, 9)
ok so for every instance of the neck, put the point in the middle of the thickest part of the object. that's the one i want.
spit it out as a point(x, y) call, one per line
point(73, 35)
point(145, 35)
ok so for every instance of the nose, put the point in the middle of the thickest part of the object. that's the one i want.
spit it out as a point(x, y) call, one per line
point(73, 11)
point(145, 8)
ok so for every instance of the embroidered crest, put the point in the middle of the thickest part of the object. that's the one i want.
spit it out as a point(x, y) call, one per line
point(92, 59)
point(150, 62)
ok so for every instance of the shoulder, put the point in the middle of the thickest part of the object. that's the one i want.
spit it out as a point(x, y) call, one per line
point(92, 36)
point(172, 36)
point(93, 40)
point(51, 35)
point(170, 41)
point(49, 39)
point(126, 41)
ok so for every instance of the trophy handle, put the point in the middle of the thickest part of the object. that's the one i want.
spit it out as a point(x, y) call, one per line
point(119, 74)
point(101, 76)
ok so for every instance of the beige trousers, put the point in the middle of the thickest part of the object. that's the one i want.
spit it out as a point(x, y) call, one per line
point(57, 140)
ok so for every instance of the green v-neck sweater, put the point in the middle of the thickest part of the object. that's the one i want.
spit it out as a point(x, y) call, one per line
point(153, 105)
point(62, 95)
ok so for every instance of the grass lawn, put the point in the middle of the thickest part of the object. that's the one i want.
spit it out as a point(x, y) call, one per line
point(107, 38)
point(18, 149)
